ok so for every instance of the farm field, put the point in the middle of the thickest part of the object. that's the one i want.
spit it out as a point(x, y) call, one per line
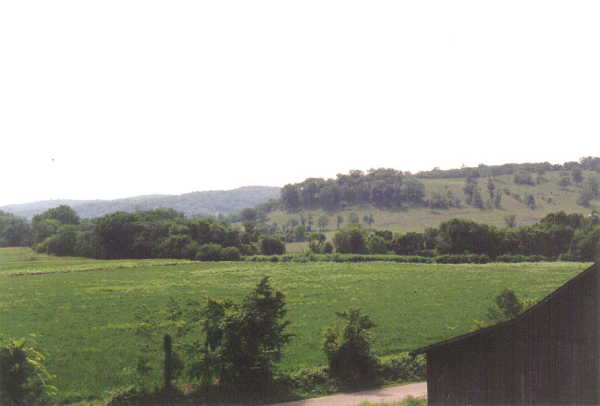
point(83, 320)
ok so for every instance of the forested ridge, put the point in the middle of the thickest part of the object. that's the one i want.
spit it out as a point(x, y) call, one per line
point(390, 188)
point(220, 202)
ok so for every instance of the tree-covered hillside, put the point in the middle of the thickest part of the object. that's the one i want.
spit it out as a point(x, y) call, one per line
point(400, 201)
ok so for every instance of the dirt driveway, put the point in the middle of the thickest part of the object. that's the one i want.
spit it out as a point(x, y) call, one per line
point(391, 394)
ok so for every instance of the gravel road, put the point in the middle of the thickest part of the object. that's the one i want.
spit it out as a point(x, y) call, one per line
point(391, 394)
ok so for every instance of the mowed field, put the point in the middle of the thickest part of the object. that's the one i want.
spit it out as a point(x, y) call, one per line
point(82, 310)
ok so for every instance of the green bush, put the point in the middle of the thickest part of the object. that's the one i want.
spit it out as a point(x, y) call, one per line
point(243, 342)
point(311, 380)
point(271, 246)
point(310, 257)
point(462, 259)
point(347, 345)
point(403, 367)
point(24, 379)
point(567, 256)
point(230, 254)
point(513, 258)
point(209, 252)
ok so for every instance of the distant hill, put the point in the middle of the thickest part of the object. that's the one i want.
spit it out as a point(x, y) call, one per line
point(196, 203)
point(401, 202)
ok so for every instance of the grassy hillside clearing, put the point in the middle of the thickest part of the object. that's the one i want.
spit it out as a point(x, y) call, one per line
point(84, 319)
point(417, 219)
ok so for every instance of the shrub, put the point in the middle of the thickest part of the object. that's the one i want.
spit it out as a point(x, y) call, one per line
point(24, 379)
point(307, 380)
point(523, 178)
point(178, 246)
point(403, 367)
point(376, 244)
point(347, 346)
point(244, 341)
point(316, 241)
point(351, 240)
point(271, 246)
point(462, 259)
point(568, 257)
point(507, 307)
point(209, 252)
point(249, 249)
point(230, 254)
point(191, 250)
point(514, 258)
point(60, 244)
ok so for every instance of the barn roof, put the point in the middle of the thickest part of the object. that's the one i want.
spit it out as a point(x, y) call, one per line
point(426, 349)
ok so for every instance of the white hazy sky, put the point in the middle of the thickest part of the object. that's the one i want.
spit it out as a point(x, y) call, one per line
point(140, 97)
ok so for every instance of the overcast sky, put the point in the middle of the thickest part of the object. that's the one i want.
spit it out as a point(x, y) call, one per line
point(107, 99)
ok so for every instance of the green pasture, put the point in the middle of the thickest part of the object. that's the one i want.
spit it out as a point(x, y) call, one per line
point(83, 319)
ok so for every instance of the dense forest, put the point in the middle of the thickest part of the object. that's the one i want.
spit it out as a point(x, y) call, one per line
point(380, 187)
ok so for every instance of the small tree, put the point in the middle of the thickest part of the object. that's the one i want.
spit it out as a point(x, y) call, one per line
point(491, 187)
point(230, 254)
point(377, 245)
point(478, 199)
point(347, 345)
point(271, 246)
point(368, 219)
point(316, 242)
point(510, 220)
point(209, 252)
point(339, 220)
point(507, 307)
point(498, 200)
point(577, 175)
point(530, 202)
point(244, 341)
point(585, 198)
point(172, 364)
point(351, 240)
point(323, 222)
point(564, 182)
point(24, 379)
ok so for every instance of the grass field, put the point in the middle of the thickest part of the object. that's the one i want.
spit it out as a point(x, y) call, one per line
point(84, 319)
point(417, 219)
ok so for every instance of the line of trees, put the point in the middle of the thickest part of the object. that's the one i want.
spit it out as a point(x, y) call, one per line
point(165, 233)
point(160, 233)
point(558, 235)
point(586, 163)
